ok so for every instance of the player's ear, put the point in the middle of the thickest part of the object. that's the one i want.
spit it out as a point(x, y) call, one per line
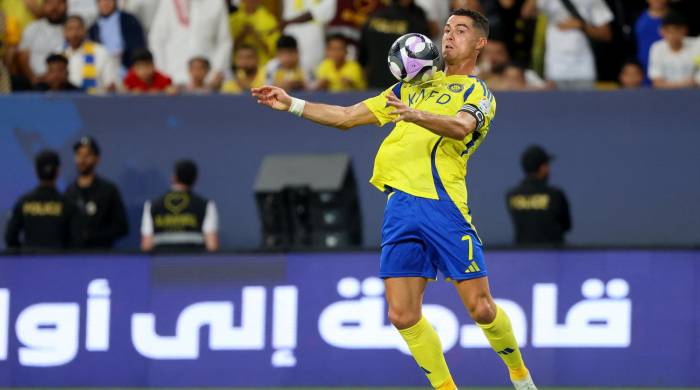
point(481, 44)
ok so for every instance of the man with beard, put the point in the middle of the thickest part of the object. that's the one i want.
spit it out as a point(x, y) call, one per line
point(103, 215)
point(41, 38)
point(539, 211)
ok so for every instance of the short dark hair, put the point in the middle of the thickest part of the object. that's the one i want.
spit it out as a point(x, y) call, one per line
point(674, 18)
point(53, 58)
point(481, 22)
point(141, 55)
point(336, 37)
point(245, 46)
point(77, 18)
point(287, 42)
point(46, 164)
point(203, 60)
point(186, 172)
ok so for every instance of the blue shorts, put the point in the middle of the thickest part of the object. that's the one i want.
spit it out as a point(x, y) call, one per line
point(421, 236)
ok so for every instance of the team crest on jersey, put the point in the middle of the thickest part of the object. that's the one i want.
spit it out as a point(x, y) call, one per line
point(485, 106)
point(455, 87)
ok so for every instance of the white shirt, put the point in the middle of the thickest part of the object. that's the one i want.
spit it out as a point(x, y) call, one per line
point(668, 65)
point(310, 36)
point(568, 55)
point(107, 67)
point(87, 9)
point(41, 38)
point(200, 30)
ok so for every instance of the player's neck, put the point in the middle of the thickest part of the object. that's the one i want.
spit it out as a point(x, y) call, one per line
point(464, 68)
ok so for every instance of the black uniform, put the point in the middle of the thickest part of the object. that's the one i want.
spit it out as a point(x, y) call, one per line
point(103, 218)
point(381, 30)
point(540, 213)
point(177, 221)
point(42, 219)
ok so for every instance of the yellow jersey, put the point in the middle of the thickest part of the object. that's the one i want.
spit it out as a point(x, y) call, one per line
point(350, 71)
point(419, 162)
point(265, 25)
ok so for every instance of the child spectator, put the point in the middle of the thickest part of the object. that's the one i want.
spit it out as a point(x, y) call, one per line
point(56, 77)
point(247, 73)
point(284, 70)
point(199, 68)
point(631, 76)
point(647, 29)
point(143, 76)
point(336, 73)
point(672, 61)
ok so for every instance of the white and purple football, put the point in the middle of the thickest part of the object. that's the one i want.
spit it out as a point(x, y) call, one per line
point(413, 58)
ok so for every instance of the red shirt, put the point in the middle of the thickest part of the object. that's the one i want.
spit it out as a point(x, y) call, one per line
point(159, 83)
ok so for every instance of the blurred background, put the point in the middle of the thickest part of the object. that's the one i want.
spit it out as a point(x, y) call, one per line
point(163, 230)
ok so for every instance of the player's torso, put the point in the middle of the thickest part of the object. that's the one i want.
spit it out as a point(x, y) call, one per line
point(420, 162)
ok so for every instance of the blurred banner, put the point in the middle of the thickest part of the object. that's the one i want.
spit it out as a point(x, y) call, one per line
point(626, 159)
point(588, 318)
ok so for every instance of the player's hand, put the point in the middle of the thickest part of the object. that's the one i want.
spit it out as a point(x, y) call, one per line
point(273, 97)
point(402, 112)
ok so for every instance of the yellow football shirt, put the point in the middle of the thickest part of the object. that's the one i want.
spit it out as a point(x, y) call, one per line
point(350, 71)
point(419, 162)
point(265, 25)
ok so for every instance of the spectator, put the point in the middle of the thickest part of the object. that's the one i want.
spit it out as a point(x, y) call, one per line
point(103, 217)
point(437, 13)
point(380, 31)
point(143, 76)
point(5, 81)
point(284, 70)
point(540, 213)
point(336, 73)
point(41, 38)
point(255, 26)
point(247, 73)
point(144, 10)
point(673, 60)
point(495, 59)
point(514, 22)
point(305, 20)
point(180, 219)
point(349, 18)
point(90, 66)
point(185, 29)
point(56, 77)
point(119, 32)
point(569, 58)
point(86, 9)
point(510, 78)
point(631, 76)
point(42, 219)
point(22, 11)
point(647, 30)
point(199, 68)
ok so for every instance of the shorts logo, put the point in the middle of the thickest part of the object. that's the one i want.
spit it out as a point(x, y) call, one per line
point(472, 268)
point(455, 87)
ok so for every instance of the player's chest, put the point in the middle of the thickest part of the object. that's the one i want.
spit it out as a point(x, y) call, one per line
point(437, 100)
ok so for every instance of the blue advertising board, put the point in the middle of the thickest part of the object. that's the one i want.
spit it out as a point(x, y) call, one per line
point(630, 317)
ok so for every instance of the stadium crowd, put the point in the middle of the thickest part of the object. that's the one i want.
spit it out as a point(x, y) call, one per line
point(212, 46)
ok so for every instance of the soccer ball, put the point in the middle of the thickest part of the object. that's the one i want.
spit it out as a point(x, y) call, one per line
point(413, 58)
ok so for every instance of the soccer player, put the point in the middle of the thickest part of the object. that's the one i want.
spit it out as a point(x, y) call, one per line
point(421, 165)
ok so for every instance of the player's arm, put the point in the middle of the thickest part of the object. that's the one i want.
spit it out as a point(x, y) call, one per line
point(329, 115)
point(456, 127)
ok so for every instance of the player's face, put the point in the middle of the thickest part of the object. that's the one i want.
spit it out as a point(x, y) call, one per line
point(461, 39)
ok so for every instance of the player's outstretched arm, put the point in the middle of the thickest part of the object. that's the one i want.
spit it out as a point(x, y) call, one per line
point(336, 116)
point(456, 127)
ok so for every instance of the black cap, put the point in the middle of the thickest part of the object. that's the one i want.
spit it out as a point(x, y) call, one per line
point(674, 18)
point(287, 42)
point(186, 172)
point(89, 142)
point(533, 157)
point(46, 163)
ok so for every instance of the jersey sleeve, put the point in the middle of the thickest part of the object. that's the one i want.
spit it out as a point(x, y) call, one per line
point(377, 105)
point(480, 103)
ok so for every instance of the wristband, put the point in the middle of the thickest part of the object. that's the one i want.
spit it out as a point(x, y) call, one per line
point(297, 106)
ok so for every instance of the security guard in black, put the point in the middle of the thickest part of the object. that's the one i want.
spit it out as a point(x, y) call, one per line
point(540, 212)
point(42, 219)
